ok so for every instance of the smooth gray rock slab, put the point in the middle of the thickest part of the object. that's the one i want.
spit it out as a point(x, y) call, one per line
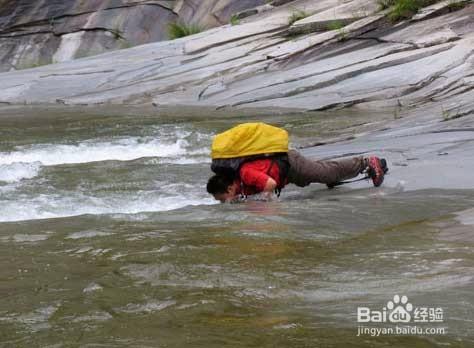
point(34, 33)
point(341, 15)
point(375, 65)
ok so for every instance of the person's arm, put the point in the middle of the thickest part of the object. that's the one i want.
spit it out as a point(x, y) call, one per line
point(261, 181)
point(270, 186)
point(254, 178)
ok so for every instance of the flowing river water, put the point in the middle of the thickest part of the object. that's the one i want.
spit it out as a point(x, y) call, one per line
point(108, 239)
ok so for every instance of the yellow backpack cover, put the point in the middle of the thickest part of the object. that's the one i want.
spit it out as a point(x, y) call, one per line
point(249, 139)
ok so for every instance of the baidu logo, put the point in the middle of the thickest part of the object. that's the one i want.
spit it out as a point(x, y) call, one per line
point(403, 319)
point(399, 310)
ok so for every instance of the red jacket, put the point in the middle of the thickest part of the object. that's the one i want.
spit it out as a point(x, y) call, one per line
point(254, 175)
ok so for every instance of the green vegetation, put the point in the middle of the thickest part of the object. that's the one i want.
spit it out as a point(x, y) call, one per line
point(384, 4)
point(296, 16)
point(335, 25)
point(234, 20)
point(339, 26)
point(177, 30)
point(404, 9)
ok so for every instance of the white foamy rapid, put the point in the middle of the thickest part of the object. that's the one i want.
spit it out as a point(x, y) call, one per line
point(119, 150)
point(58, 206)
point(26, 161)
point(53, 196)
point(16, 171)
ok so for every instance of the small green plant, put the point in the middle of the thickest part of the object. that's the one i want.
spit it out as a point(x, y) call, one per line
point(335, 25)
point(234, 20)
point(177, 30)
point(296, 16)
point(404, 9)
point(384, 4)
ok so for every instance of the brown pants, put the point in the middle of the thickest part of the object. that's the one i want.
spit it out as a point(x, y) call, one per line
point(304, 171)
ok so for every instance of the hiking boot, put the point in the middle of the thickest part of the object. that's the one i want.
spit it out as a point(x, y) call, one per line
point(377, 167)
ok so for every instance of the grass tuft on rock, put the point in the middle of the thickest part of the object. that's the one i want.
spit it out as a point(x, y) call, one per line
point(296, 16)
point(384, 4)
point(404, 9)
point(335, 25)
point(177, 30)
point(234, 20)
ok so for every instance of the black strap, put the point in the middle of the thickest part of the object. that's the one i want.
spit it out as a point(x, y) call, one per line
point(282, 172)
point(278, 188)
point(284, 168)
point(242, 187)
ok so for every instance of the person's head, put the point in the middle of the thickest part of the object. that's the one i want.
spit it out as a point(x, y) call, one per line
point(224, 188)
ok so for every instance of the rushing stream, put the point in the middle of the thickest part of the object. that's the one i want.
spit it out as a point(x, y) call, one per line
point(108, 239)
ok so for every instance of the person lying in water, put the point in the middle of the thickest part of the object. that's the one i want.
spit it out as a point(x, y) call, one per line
point(263, 176)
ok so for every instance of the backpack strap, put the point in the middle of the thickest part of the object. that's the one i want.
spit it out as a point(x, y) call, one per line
point(273, 161)
point(242, 188)
point(283, 169)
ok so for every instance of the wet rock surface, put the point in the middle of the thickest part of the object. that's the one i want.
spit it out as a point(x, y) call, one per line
point(431, 154)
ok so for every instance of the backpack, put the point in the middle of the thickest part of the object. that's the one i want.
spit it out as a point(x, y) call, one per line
point(247, 142)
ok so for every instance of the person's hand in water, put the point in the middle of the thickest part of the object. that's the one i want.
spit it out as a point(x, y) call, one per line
point(267, 194)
